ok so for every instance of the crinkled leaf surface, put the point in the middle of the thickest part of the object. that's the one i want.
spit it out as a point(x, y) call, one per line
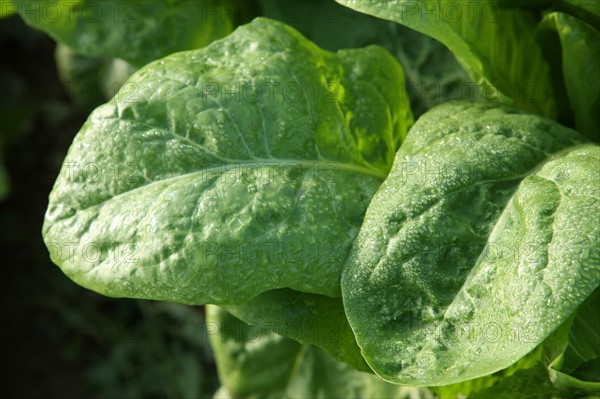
point(306, 318)
point(255, 363)
point(233, 170)
point(496, 46)
point(482, 240)
point(581, 68)
point(138, 31)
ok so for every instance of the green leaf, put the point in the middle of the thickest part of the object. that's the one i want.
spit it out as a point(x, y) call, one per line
point(432, 73)
point(459, 268)
point(330, 25)
point(254, 363)
point(249, 361)
point(306, 318)
point(567, 350)
point(230, 171)
point(584, 335)
point(531, 383)
point(496, 46)
point(469, 387)
point(580, 44)
point(572, 353)
point(572, 385)
point(590, 6)
point(587, 10)
point(138, 31)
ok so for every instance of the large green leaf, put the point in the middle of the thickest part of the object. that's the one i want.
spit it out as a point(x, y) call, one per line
point(580, 44)
point(255, 363)
point(231, 170)
point(482, 240)
point(496, 46)
point(306, 318)
point(138, 31)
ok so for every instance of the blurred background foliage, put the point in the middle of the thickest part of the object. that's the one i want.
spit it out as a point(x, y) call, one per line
point(62, 341)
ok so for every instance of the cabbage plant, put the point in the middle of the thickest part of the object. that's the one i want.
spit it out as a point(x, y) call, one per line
point(345, 244)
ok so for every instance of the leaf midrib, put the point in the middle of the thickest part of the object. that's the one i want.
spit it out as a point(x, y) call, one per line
point(256, 162)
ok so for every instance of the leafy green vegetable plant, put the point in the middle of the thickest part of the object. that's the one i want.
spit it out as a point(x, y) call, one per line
point(291, 186)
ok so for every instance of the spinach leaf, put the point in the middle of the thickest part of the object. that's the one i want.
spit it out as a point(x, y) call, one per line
point(306, 318)
point(580, 44)
point(563, 366)
point(459, 268)
point(496, 46)
point(138, 31)
point(232, 170)
point(255, 363)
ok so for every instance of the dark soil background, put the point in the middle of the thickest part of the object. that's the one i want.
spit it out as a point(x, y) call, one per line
point(60, 340)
